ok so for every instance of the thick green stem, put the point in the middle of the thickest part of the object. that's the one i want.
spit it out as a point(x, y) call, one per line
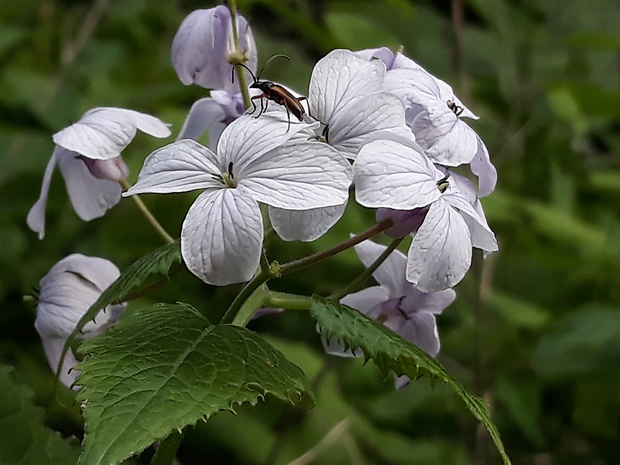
point(357, 282)
point(148, 215)
point(167, 449)
point(254, 302)
point(305, 262)
point(245, 293)
point(287, 301)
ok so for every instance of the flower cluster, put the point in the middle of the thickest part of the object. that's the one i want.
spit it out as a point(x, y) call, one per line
point(372, 121)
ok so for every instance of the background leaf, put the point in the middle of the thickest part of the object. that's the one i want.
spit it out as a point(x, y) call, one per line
point(157, 262)
point(392, 353)
point(25, 440)
point(164, 367)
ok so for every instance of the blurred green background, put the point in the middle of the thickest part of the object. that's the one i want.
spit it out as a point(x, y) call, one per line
point(536, 327)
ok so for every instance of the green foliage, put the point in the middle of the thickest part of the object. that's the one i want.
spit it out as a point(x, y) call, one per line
point(542, 76)
point(157, 262)
point(164, 367)
point(25, 440)
point(588, 344)
point(392, 353)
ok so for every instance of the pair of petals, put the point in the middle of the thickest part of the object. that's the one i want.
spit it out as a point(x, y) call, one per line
point(391, 174)
point(222, 234)
point(202, 47)
point(88, 153)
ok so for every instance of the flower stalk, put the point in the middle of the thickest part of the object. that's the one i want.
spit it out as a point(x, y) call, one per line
point(150, 218)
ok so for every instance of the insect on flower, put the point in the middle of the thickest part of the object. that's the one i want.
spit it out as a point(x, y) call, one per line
point(275, 93)
point(456, 109)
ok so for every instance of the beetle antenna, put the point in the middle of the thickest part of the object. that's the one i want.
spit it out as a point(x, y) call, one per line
point(249, 70)
point(279, 55)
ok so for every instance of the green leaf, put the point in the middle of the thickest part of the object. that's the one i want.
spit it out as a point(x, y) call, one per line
point(25, 439)
point(157, 262)
point(391, 352)
point(586, 345)
point(163, 367)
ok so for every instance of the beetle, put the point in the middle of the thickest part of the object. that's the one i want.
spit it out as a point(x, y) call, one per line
point(275, 93)
point(456, 109)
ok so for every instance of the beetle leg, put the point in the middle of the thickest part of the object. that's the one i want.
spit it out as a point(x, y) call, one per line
point(299, 99)
point(253, 104)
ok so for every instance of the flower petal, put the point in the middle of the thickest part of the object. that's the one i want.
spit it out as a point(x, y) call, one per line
point(443, 136)
point(391, 273)
point(304, 225)
point(247, 138)
point(366, 299)
point(392, 175)
point(364, 117)
point(481, 235)
point(421, 329)
point(440, 253)
point(299, 176)
point(182, 166)
point(222, 236)
point(53, 350)
point(68, 290)
point(201, 48)
point(204, 114)
point(433, 302)
point(36, 215)
point(103, 133)
point(482, 167)
point(90, 197)
point(338, 78)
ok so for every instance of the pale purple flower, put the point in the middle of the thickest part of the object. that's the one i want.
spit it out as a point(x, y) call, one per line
point(66, 292)
point(395, 303)
point(255, 162)
point(446, 215)
point(434, 115)
point(203, 46)
point(88, 153)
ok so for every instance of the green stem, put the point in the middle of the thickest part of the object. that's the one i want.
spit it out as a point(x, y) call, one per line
point(167, 449)
point(254, 302)
point(288, 301)
point(148, 215)
point(357, 282)
point(305, 262)
point(239, 56)
point(245, 293)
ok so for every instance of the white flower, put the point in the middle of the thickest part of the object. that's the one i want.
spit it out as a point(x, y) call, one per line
point(88, 153)
point(346, 95)
point(396, 175)
point(396, 303)
point(222, 233)
point(434, 115)
point(67, 291)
